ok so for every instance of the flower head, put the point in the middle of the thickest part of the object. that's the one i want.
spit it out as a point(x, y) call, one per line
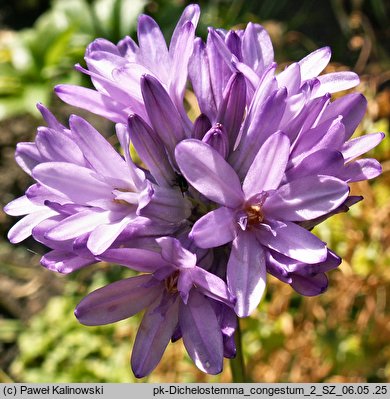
point(179, 298)
point(86, 194)
point(216, 203)
point(259, 213)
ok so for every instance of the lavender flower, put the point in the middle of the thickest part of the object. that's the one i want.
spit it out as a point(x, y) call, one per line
point(218, 203)
point(258, 214)
point(116, 69)
point(179, 298)
point(86, 191)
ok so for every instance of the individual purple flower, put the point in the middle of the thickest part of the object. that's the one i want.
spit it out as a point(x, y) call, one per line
point(211, 65)
point(180, 300)
point(87, 188)
point(258, 214)
point(306, 279)
point(115, 70)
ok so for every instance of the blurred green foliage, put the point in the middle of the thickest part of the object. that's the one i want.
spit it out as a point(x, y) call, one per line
point(56, 348)
point(33, 60)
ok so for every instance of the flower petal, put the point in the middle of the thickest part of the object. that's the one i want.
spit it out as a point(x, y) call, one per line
point(220, 71)
point(138, 259)
point(336, 81)
point(360, 145)
point(260, 123)
point(257, 49)
point(199, 73)
point(151, 150)
point(190, 13)
point(328, 135)
point(165, 119)
point(174, 253)
point(331, 262)
point(103, 235)
point(56, 146)
point(154, 334)
point(117, 301)
point(216, 228)
point(28, 156)
point(211, 285)
point(322, 162)
point(137, 175)
point(22, 206)
point(202, 335)
point(246, 273)
point(217, 138)
point(209, 173)
point(92, 101)
point(64, 261)
point(290, 78)
point(50, 119)
point(296, 201)
point(165, 204)
point(231, 111)
point(352, 107)
point(23, 228)
point(78, 224)
point(97, 150)
point(79, 184)
point(152, 45)
point(362, 169)
point(180, 53)
point(310, 285)
point(268, 167)
point(314, 63)
point(293, 241)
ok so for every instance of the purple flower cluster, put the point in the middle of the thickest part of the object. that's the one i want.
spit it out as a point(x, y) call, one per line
point(216, 204)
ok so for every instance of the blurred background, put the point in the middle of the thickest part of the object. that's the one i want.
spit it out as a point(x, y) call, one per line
point(341, 336)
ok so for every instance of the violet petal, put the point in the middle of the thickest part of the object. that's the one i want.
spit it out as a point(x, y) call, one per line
point(246, 273)
point(216, 228)
point(208, 172)
point(202, 336)
point(116, 301)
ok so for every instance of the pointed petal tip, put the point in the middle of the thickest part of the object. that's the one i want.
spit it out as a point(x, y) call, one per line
point(132, 117)
point(41, 108)
point(78, 67)
point(138, 375)
point(58, 88)
point(240, 312)
point(74, 119)
point(147, 78)
point(78, 312)
point(194, 8)
point(144, 18)
point(12, 239)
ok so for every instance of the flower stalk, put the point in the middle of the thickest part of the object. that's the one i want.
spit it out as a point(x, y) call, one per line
point(237, 364)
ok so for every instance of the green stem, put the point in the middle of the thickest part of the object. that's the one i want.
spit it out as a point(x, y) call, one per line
point(237, 364)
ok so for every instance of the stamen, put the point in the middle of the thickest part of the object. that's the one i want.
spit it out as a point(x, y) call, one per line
point(171, 282)
point(255, 215)
point(122, 201)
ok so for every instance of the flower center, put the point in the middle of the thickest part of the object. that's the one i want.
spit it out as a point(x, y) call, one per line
point(131, 199)
point(171, 282)
point(121, 202)
point(254, 215)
